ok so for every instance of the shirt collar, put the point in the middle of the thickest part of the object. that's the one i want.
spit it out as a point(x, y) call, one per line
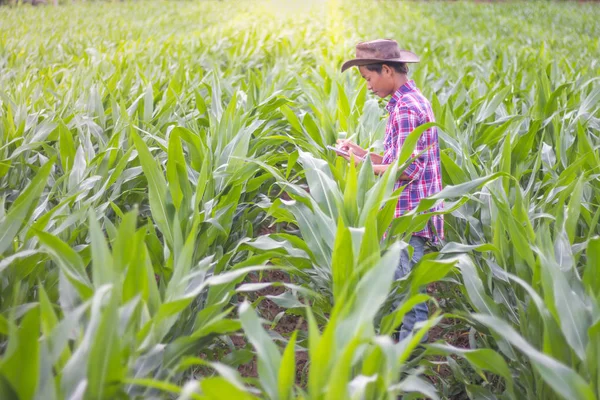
point(408, 87)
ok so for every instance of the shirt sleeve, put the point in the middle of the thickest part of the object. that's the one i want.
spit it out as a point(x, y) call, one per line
point(406, 121)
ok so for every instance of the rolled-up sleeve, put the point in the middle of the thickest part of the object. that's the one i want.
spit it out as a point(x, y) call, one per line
point(406, 121)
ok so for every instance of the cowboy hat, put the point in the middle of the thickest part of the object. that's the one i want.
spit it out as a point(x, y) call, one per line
point(380, 51)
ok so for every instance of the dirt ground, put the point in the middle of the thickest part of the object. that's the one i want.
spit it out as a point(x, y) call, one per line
point(448, 330)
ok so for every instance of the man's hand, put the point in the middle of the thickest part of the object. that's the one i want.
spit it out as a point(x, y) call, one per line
point(351, 147)
point(357, 158)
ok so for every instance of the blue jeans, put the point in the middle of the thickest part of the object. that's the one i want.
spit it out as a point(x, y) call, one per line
point(420, 312)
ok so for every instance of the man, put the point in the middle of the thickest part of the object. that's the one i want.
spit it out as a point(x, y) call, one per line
point(384, 66)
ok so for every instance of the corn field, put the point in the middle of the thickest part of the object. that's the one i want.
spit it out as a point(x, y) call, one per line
point(172, 225)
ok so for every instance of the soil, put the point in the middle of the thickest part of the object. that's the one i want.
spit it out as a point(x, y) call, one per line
point(287, 324)
point(448, 330)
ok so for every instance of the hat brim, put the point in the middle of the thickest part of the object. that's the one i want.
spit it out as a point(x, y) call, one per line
point(406, 57)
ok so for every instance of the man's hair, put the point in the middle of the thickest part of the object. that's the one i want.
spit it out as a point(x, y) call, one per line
point(400, 68)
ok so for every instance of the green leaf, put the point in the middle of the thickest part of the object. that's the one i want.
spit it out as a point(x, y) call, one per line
point(48, 318)
point(157, 187)
point(366, 179)
point(342, 261)
point(341, 373)
point(591, 274)
point(322, 353)
point(427, 271)
point(102, 262)
point(575, 319)
point(221, 389)
point(269, 359)
point(414, 384)
point(386, 215)
point(156, 384)
point(23, 346)
point(21, 210)
point(322, 186)
point(10, 260)
point(392, 321)
point(139, 281)
point(175, 168)
point(455, 172)
point(375, 286)
point(312, 129)
point(316, 231)
point(123, 251)
point(69, 261)
point(287, 370)
point(148, 103)
point(564, 380)
point(350, 195)
point(449, 192)
point(489, 107)
point(574, 210)
point(105, 371)
point(505, 162)
point(480, 393)
point(291, 117)
point(78, 170)
point(406, 152)
point(475, 289)
point(370, 252)
point(66, 147)
point(481, 359)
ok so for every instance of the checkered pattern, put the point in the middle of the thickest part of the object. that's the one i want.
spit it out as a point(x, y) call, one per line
point(408, 109)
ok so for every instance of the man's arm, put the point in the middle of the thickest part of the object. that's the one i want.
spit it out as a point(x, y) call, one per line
point(359, 154)
point(376, 158)
point(379, 169)
point(405, 122)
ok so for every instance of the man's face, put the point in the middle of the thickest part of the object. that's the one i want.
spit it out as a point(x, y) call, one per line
point(380, 84)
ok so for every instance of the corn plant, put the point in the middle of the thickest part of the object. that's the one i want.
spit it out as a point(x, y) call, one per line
point(146, 148)
point(347, 359)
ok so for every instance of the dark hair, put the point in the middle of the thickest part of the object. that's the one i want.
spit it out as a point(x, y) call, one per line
point(400, 68)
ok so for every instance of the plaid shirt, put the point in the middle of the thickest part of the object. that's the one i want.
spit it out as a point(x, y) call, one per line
point(408, 109)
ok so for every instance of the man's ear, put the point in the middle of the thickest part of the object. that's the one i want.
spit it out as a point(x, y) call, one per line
point(386, 69)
